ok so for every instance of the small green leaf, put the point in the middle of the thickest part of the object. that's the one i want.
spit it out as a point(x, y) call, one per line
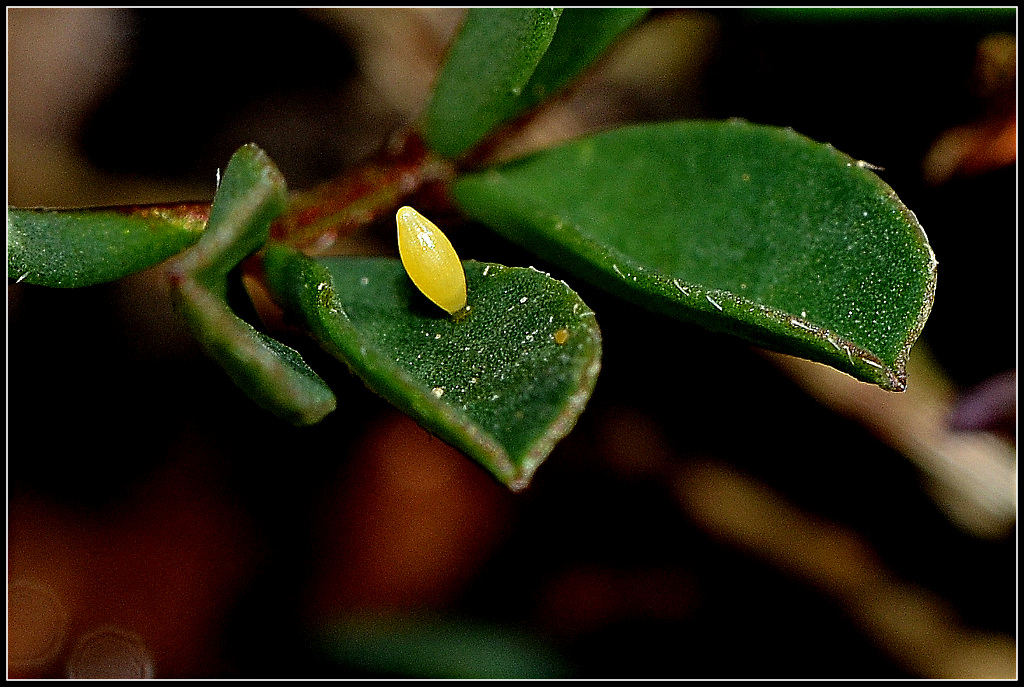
point(72, 248)
point(750, 230)
point(270, 373)
point(466, 105)
point(583, 35)
point(251, 195)
point(503, 383)
point(492, 59)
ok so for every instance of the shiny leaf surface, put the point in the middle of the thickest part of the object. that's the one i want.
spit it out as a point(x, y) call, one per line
point(749, 230)
point(74, 248)
point(502, 382)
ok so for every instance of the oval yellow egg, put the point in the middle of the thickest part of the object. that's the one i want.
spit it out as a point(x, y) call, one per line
point(430, 261)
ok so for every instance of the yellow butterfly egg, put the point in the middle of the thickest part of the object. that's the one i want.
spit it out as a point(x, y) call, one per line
point(430, 261)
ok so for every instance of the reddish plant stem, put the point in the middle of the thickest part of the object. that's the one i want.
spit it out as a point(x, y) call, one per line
point(317, 218)
point(188, 212)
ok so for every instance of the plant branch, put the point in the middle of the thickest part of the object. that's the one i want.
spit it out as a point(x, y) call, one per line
point(315, 219)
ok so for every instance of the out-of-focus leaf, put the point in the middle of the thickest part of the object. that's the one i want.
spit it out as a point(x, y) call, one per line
point(750, 230)
point(275, 376)
point(583, 35)
point(503, 383)
point(72, 248)
point(466, 105)
point(450, 648)
point(490, 62)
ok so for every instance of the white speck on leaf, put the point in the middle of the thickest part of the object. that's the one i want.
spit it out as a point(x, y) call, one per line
point(682, 289)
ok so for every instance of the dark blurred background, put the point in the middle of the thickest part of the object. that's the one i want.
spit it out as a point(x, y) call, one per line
point(722, 520)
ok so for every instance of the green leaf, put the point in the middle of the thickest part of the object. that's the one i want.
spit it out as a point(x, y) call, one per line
point(485, 71)
point(422, 646)
point(490, 77)
point(72, 248)
point(251, 195)
point(750, 230)
point(503, 383)
point(583, 35)
point(270, 373)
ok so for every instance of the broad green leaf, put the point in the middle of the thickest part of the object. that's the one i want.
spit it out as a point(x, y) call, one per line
point(466, 106)
point(72, 248)
point(275, 376)
point(750, 230)
point(503, 383)
point(492, 59)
